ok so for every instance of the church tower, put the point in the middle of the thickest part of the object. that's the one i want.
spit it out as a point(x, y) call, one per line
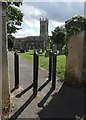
point(44, 30)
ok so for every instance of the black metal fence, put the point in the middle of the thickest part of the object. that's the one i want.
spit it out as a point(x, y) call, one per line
point(16, 69)
point(35, 72)
point(52, 70)
point(54, 55)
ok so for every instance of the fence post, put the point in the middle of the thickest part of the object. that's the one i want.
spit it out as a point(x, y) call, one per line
point(16, 69)
point(50, 65)
point(35, 73)
point(54, 71)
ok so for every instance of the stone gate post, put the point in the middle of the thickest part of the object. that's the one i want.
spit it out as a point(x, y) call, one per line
point(4, 81)
point(75, 59)
point(0, 59)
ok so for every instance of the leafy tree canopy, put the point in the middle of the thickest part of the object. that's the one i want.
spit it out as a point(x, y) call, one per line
point(14, 20)
point(72, 26)
point(75, 25)
point(58, 37)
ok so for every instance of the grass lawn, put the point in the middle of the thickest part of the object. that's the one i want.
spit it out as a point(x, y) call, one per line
point(43, 62)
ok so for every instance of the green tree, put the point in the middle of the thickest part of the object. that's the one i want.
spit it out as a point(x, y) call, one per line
point(75, 25)
point(58, 37)
point(14, 21)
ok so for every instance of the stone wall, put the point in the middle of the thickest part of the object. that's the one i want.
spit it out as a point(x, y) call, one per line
point(84, 60)
point(75, 57)
point(4, 80)
point(29, 42)
point(0, 59)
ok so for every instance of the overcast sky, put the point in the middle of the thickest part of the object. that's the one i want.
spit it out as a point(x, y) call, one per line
point(55, 12)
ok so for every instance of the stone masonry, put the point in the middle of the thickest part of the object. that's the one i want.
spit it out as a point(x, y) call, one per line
point(75, 71)
point(34, 42)
point(4, 80)
point(84, 60)
point(0, 59)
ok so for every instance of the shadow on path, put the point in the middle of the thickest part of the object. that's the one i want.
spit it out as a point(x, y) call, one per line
point(22, 108)
point(40, 89)
point(13, 89)
point(41, 104)
point(67, 103)
point(24, 91)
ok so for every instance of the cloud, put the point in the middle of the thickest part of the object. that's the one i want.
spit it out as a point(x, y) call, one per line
point(32, 23)
point(26, 32)
point(32, 32)
point(54, 0)
point(59, 11)
point(56, 12)
point(53, 25)
point(31, 12)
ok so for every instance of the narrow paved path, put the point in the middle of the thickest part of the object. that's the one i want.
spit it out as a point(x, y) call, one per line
point(25, 72)
point(63, 102)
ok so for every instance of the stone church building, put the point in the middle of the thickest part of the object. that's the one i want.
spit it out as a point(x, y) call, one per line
point(34, 42)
